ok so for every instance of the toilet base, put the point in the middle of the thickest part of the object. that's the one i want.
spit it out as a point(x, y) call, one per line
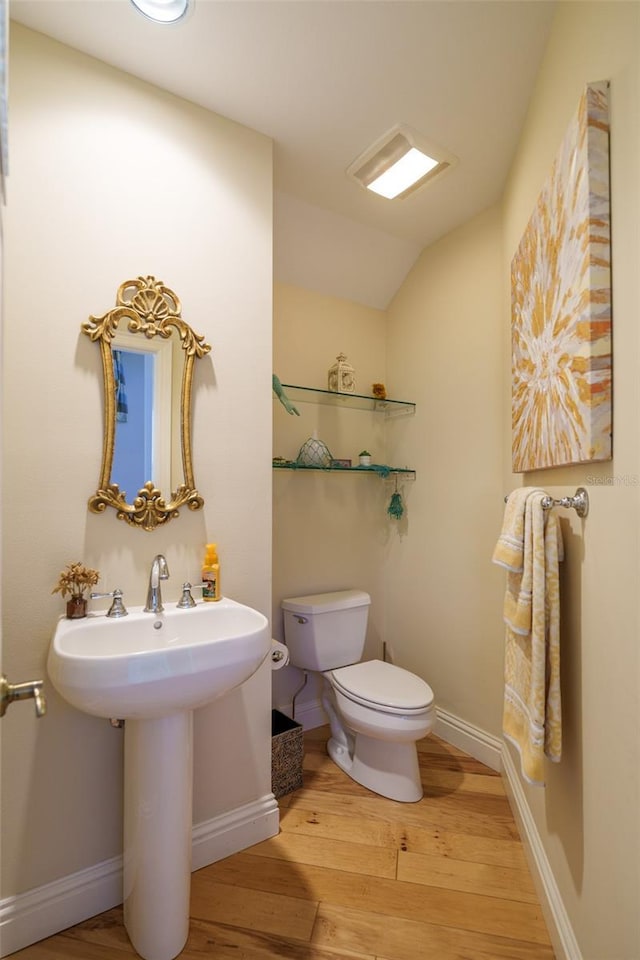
point(389, 769)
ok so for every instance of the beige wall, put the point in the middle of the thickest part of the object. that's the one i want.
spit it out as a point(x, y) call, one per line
point(111, 178)
point(329, 530)
point(81, 214)
point(444, 352)
point(443, 595)
point(588, 814)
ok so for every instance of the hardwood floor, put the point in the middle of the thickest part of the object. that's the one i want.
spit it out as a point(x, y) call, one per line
point(353, 876)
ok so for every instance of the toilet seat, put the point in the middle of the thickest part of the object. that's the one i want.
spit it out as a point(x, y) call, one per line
point(383, 687)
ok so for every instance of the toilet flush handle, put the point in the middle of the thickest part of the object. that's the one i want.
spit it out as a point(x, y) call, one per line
point(301, 619)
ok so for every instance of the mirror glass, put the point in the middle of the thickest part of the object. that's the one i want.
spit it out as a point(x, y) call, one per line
point(148, 353)
point(145, 412)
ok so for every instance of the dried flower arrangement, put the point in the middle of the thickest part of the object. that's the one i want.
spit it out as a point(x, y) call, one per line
point(75, 579)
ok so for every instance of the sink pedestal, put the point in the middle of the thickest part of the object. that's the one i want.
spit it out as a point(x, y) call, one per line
point(158, 788)
point(154, 671)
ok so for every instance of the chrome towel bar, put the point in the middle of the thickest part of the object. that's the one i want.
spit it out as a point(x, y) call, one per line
point(579, 502)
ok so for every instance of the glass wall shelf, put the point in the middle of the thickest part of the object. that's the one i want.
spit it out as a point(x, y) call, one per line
point(380, 470)
point(352, 401)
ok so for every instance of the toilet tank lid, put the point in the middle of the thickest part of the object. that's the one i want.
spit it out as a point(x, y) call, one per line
point(326, 602)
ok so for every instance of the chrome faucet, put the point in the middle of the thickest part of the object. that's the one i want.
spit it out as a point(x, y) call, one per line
point(159, 571)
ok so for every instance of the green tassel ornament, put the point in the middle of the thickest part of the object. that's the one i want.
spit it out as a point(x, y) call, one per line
point(396, 506)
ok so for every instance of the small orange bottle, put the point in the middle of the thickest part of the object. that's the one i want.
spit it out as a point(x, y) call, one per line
point(211, 574)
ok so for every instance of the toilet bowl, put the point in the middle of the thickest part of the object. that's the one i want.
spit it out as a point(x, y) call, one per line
point(377, 711)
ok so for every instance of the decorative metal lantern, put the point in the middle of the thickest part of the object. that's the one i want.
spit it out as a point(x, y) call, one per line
point(342, 378)
point(314, 453)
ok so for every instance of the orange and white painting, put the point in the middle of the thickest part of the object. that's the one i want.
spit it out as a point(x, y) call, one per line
point(561, 304)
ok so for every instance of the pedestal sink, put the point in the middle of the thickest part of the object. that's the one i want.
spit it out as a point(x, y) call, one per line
point(152, 670)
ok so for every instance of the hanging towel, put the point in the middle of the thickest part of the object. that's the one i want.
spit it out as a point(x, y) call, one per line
point(530, 548)
point(513, 554)
point(509, 549)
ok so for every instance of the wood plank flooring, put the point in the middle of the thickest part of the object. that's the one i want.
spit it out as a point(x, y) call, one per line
point(353, 876)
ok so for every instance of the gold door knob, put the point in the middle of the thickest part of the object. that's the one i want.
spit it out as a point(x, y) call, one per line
point(31, 690)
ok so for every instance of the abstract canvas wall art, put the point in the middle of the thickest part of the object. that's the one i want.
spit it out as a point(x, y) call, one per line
point(561, 304)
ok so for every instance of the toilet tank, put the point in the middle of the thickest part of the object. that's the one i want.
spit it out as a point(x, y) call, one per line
point(326, 630)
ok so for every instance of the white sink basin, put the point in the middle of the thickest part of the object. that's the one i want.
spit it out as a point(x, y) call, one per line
point(150, 665)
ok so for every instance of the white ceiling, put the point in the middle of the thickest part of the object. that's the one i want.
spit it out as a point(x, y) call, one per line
point(324, 79)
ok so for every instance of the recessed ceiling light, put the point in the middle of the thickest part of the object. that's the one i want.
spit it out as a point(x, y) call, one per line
point(399, 162)
point(163, 11)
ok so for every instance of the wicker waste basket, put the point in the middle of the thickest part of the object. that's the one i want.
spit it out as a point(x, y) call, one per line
point(286, 754)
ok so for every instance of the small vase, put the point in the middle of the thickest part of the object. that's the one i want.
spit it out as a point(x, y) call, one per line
point(365, 461)
point(76, 608)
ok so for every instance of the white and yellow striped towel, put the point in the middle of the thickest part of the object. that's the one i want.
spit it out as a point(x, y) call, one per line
point(530, 548)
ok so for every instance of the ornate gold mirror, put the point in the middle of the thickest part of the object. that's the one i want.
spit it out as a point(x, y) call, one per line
point(148, 352)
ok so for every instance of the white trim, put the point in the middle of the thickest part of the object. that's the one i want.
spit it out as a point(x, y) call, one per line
point(234, 831)
point(494, 752)
point(477, 743)
point(561, 932)
point(43, 911)
point(310, 713)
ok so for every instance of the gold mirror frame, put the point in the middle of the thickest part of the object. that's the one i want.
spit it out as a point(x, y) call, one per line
point(150, 309)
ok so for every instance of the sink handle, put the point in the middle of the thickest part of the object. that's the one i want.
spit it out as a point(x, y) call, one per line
point(31, 690)
point(186, 600)
point(117, 608)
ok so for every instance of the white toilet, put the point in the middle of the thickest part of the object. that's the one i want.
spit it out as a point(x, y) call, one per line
point(377, 711)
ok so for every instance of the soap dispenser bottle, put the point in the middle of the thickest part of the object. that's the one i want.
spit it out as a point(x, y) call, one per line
point(211, 574)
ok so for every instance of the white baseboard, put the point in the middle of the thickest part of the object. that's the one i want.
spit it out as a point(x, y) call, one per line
point(494, 753)
point(310, 713)
point(43, 911)
point(234, 831)
point(477, 743)
point(561, 932)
